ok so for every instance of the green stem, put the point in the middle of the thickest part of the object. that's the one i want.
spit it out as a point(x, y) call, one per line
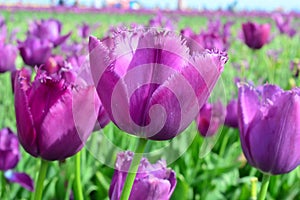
point(3, 184)
point(253, 188)
point(78, 186)
point(40, 181)
point(133, 169)
point(264, 187)
point(224, 143)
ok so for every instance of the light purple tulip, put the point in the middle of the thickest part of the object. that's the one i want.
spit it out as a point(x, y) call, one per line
point(3, 30)
point(48, 29)
point(54, 114)
point(153, 181)
point(269, 123)
point(8, 57)
point(162, 21)
point(149, 83)
point(283, 24)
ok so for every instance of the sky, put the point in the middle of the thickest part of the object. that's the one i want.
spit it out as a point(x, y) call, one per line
point(268, 5)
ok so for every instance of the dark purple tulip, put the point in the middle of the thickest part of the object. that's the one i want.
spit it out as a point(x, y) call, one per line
point(231, 119)
point(284, 24)
point(49, 29)
point(148, 80)
point(295, 67)
point(269, 123)
point(153, 181)
point(9, 150)
point(8, 57)
point(35, 51)
point(46, 111)
point(256, 35)
point(210, 118)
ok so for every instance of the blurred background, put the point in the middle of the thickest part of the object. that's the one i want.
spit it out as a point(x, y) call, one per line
point(186, 5)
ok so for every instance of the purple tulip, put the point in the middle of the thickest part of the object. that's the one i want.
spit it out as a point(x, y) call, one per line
point(269, 121)
point(153, 181)
point(210, 118)
point(35, 51)
point(284, 24)
point(73, 49)
point(161, 21)
point(256, 35)
point(231, 119)
point(295, 67)
point(3, 30)
point(9, 158)
point(187, 32)
point(49, 29)
point(8, 57)
point(9, 150)
point(149, 83)
point(84, 30)
point(47, 110)
point(20, 178)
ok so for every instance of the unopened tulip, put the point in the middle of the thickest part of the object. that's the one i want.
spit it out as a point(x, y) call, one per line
point(256, 35)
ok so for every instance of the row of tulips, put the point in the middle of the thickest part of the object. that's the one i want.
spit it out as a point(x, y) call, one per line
point(150, 83)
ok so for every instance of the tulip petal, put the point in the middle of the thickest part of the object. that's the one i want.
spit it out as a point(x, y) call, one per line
point(21, 178)
point(24, 118)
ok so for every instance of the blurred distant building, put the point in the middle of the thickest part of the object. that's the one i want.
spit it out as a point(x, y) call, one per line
point(124, 4)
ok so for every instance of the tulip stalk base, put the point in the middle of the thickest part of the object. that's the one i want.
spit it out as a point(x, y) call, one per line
point(264, 187)
point(78, 185)
point(40, 181)
point(133, 169)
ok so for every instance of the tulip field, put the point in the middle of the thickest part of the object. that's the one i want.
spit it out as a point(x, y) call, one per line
point(149, 105)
